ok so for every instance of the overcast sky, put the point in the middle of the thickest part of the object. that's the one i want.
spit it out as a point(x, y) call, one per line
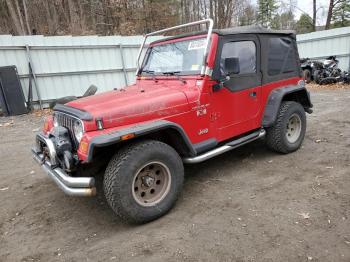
point(306, 6)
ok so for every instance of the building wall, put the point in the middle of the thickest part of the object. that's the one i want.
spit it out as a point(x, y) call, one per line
point(322, 44)
point(67, 65)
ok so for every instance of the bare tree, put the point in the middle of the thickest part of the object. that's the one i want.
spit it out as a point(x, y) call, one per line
point(26, 16)
point(314, 14)
point(107, 17)
point(332, 4)
point(15, 17)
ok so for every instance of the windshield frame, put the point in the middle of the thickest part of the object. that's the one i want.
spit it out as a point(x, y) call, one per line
point(172, 41)
point(210, 24)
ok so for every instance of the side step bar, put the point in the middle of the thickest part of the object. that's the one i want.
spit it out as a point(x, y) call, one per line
point(227, 147)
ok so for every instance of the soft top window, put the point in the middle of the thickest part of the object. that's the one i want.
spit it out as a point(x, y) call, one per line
point(245, 51)
point(281, 56)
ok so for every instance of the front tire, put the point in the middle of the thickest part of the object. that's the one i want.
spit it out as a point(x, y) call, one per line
point(143, 180)
point(288, 132)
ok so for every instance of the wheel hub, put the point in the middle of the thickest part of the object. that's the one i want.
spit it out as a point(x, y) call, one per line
point(147, 181)
point(293, 130)
point(151, 183)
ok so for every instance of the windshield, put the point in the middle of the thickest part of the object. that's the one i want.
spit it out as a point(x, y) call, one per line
point(183, 57)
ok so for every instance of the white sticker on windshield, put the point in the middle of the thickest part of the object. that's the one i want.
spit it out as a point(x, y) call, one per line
point(198, 44)
point(194, 67)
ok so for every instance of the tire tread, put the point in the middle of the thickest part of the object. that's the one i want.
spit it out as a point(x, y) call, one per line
point(113, 173)
point(274, 136)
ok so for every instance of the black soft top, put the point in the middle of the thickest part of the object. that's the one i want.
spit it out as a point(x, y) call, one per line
point(255, 29)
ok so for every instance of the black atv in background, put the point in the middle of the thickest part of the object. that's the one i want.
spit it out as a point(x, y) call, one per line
point(329, 72)
point(309, 67)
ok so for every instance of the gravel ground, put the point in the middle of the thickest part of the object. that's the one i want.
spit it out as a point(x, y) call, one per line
point(249, 204)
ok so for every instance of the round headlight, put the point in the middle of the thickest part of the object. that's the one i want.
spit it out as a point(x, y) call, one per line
point(78, 130)
point(55, 121)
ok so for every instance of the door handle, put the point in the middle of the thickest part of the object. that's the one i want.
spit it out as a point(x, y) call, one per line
point(252, 94)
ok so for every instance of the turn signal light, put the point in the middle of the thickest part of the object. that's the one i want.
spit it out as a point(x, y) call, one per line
point(48, 124)
point(127, 136)
point(46, 127)
point(83, 147)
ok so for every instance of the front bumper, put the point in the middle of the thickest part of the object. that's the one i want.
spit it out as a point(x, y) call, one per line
point(73, 186)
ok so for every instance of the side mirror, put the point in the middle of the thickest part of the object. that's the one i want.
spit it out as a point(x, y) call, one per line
point(232, 65)
point(218, 86)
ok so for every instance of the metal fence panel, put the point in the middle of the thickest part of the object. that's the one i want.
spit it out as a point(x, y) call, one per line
point(322, 44)
point(68, 65)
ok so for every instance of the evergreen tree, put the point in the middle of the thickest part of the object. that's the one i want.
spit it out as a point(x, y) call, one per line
point(304, 24)
point(341, 14)
point(267, 10)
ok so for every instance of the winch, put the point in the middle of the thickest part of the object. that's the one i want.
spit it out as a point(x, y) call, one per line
point(63, 145)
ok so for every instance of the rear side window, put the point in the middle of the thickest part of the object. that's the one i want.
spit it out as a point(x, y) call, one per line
point(281, 56)
point(245, 51)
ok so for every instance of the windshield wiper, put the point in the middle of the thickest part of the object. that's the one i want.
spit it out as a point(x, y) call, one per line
point(171, 73)
point(151, 72)
point(148, 71)
point(175, 73)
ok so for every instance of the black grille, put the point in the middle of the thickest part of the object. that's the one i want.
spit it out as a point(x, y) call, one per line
point(68, 122)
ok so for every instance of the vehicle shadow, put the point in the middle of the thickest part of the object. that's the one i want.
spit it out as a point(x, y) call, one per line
point(95, 213)
point(256, 150)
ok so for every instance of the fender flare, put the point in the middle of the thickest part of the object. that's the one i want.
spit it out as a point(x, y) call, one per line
point(138, 130)
point(276, 97)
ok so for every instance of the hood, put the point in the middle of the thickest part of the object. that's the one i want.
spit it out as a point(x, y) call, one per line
point(134, 104)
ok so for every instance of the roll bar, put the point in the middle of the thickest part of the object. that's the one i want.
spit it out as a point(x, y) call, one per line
point(205, 21)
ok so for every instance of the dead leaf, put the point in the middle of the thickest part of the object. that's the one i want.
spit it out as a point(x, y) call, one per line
point(8, 124)
point(305, 215)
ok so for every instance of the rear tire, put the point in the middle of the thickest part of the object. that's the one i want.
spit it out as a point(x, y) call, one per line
point(288, 132)
point(143, 180)
point(317, 76)
point(307, 75)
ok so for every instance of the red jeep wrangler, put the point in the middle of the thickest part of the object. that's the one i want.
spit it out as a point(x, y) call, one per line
point(196, 96)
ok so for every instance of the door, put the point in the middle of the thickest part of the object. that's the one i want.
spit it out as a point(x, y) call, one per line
point(237, 104)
